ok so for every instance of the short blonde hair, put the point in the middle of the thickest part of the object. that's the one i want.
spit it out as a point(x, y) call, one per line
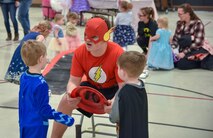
point(31, 51)
point(163, 21)
point(132, 62)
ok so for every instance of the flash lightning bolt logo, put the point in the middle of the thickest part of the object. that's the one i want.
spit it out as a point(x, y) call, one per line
point(97, 74)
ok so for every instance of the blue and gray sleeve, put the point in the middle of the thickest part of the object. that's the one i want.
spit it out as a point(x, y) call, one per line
point(45, 110)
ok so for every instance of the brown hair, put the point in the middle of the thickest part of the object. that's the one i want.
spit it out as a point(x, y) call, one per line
point(58, 17)
point(133, 62)
point(148, 11)
point(163, 21)
point(126, 5)
point(72, 15)
point(188, 9)
point(43, 27)
point(31, 51)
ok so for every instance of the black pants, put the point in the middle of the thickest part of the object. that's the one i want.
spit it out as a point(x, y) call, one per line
point(185, 64)
point(108, 93)
point(143, 43)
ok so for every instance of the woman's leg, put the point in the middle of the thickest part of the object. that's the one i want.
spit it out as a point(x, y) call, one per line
point(186, 64)
point(5, 11)
point(12, 9)
point(23, 15)
point(207, 63)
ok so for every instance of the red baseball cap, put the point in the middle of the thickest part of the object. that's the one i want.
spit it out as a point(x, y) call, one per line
point(95, 29)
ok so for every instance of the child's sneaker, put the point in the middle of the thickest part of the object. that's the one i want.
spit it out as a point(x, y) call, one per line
point(145, 74)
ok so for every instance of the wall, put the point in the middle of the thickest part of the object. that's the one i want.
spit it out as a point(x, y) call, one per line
point(196, 4)
point(36, 3)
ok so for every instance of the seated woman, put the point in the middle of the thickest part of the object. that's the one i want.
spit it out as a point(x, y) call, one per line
point(189, 38)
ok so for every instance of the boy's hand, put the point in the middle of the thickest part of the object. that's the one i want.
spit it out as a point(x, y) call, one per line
point(108, 106)
point(73, 101)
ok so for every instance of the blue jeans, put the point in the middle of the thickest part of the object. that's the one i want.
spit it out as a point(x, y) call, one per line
point(23, 15)
point(9, 9)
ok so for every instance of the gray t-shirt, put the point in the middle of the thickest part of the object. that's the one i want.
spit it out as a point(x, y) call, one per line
point(124, 18)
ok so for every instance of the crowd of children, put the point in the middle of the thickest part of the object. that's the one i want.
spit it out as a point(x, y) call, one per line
point(123, 34)
point(69, 40)
point(29, 58)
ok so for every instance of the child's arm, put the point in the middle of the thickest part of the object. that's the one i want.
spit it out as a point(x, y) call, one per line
point(44, 109)
point(56, 31)
point(114, 114)
point(154, 38)
point(63, 118)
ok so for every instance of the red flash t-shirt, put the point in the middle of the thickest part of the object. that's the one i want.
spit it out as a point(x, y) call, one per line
point(100, 71)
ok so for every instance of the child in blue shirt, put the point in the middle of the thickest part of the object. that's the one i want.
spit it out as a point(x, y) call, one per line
point(34, 108)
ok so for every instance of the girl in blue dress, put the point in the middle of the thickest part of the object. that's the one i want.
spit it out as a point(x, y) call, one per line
point(17, 66)
point(160, 53)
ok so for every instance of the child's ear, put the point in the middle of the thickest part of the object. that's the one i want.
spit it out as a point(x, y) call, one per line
point(40, 38)
point(123, 72)
point(40, 59)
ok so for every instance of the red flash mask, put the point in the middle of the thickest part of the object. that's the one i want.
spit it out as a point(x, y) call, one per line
point(95, 30)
